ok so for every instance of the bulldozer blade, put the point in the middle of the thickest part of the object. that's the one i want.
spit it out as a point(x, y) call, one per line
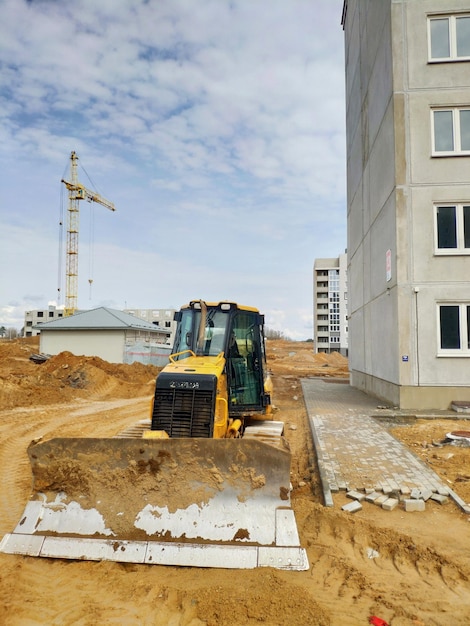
point(201, 502)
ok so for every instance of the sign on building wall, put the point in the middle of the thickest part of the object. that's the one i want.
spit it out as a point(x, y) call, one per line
point(388, 264)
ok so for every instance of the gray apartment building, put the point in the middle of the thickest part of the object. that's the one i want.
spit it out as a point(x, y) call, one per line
point(39, 316)
point(162, 318)
point(407, 68)
point(330, 295)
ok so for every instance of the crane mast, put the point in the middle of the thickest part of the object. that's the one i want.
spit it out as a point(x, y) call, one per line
point(77, 192)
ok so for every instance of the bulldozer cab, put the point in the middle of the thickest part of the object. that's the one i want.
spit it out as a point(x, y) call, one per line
point(238, 333)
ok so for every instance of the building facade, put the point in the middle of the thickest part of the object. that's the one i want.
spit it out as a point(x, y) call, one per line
point(162, 318)
point(408, 161)
point(330, 295)
point(39, 316)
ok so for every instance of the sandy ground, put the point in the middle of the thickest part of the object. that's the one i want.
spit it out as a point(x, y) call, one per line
point(406, 568)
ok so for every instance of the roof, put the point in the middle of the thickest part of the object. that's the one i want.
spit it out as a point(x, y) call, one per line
point(324, 264)
point(101, 319)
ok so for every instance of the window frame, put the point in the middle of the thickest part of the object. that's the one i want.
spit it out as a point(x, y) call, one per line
point(464, 330)
point(452, 31)
point(460, 249)
point(456, 132)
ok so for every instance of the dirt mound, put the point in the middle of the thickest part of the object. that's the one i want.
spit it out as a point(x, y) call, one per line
point(299, 359)
point(66, 376)
point(406, 568)
point(19, 347)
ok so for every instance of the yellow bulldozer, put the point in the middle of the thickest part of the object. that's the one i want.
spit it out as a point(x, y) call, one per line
point(205, 482)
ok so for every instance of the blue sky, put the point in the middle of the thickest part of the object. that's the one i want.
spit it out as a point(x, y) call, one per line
point(217, 129)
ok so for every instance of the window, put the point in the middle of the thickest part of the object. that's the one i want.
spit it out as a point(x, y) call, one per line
point(40, 313)
point(449, 37)
point(454, 326)
point(451, 131)
point(452, 228)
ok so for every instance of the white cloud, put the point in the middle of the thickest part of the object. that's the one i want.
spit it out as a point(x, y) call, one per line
point(217, 128)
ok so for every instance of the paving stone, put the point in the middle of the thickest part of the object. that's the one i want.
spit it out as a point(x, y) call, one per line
point(380, 500)
point(352, 507)
point(365, 455)
point(390, 504)
point(356, 495)
point(414, 505)
point(372, 497)
point(425, 494)
point(438, 498)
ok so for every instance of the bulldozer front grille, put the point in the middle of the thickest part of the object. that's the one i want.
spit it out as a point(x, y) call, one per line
point(184, 407)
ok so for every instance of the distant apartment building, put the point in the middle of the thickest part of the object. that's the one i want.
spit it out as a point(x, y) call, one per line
point(330, 300)
point(407, 66)
point(162, 318)
point(38, 316)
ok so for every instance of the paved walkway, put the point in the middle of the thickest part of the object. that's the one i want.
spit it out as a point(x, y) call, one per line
point(356, 452)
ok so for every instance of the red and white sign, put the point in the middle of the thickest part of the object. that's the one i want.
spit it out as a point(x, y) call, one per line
point(388, 264)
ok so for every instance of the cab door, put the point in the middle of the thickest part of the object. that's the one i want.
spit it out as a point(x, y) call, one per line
point(245, 362)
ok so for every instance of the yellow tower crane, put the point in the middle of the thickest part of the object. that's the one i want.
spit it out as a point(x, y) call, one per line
point(77, 192)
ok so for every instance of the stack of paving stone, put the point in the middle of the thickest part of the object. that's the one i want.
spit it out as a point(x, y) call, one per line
point(413, 500)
